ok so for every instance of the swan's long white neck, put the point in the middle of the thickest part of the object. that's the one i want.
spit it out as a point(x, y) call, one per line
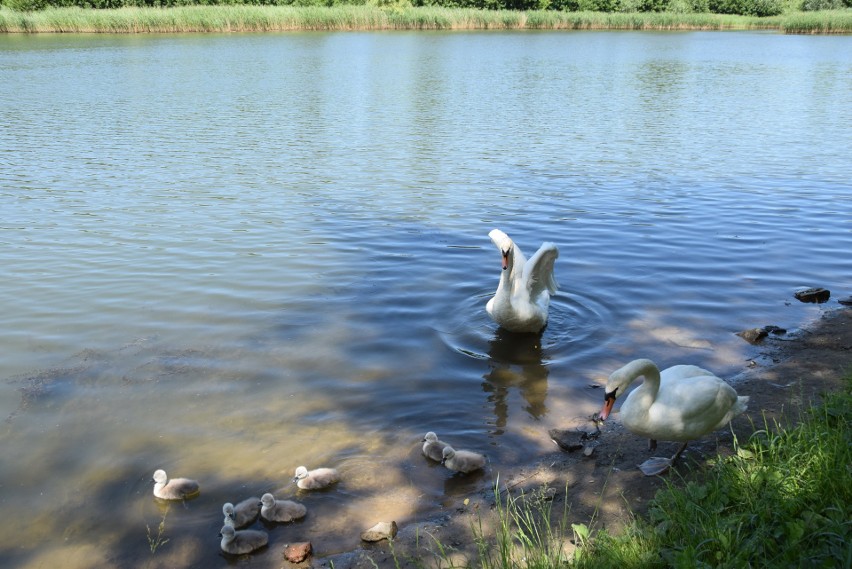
point(515, 261)
point(623, 377)
point(507, 277)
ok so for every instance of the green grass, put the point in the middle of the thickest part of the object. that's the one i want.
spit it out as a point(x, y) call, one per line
point(527, 535)
point(784, 499)
point(158, 540)
point(244, 18)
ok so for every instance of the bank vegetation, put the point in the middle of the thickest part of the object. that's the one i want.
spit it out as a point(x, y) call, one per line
point(782, 499)
point(273, 18)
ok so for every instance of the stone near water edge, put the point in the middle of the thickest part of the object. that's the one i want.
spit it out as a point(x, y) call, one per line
point(753, 335)
point(297, 552)
point(756, 335)
point(567, 440)
point(380, 531)
point(816, 294)
point(845, 301)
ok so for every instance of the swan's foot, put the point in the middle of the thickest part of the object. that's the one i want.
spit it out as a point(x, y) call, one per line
point(656, 465)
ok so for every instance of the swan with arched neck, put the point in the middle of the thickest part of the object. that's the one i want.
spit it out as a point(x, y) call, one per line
point(681, 403)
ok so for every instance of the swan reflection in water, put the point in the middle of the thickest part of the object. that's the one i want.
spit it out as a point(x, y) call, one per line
point(516, 362)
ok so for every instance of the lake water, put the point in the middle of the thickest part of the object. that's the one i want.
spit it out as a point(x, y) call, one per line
point(231, 255)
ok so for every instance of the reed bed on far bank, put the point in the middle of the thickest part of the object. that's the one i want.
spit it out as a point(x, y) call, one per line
point(245, 18)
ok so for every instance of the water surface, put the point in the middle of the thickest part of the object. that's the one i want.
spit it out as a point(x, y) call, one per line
point(230, 255)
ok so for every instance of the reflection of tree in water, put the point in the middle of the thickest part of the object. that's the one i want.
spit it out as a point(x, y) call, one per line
point(515, 362)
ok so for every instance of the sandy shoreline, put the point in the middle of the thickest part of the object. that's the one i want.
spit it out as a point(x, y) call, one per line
point(606, 488)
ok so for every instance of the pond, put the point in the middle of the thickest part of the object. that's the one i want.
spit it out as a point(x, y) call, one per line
point(231, 255)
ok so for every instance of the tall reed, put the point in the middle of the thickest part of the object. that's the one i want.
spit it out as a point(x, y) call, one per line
point(252, 18)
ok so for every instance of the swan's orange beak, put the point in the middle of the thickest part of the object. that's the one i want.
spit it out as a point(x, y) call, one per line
point(609, 401)
point(505, 259)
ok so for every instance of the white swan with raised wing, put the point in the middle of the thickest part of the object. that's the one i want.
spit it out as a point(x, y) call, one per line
point(523, 294)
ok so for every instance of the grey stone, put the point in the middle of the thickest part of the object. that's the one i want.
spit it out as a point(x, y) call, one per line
point(753, 335)
point(380, 531)
point(566, 439)
point(817, 294)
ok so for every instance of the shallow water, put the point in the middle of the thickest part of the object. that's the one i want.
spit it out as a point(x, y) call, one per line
point(230, 255)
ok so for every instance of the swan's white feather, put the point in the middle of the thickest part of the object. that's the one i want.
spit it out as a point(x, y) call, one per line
point(538, 271)
point(522, 299)
point(681, 403)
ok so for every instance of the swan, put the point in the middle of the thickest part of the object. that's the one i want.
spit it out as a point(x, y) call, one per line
point(433, 447)
point(315, 479)
point(243, 541)
point(243, 513)
point(682, 403)
point(462, 460)
point(174, 489)
point(281, 510)
point(523, 294)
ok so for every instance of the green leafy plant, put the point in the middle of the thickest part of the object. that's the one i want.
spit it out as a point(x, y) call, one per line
point(158, 540)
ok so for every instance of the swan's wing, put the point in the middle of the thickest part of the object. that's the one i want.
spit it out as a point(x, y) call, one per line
point(683, 371)
point(538, 271)
point(700, 401)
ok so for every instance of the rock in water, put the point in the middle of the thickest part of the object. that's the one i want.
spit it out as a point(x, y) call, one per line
point(818, 295)
point(297, 552)
point(753, 336)
point(380, 531)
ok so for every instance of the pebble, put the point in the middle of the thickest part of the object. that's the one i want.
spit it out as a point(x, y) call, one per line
point(297, 552)
point(380, 531)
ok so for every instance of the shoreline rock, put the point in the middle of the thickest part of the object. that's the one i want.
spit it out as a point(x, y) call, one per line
point(380, 531)
point(817, 295)
point(298, 552)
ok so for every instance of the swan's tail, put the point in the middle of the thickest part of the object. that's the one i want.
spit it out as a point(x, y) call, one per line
point(740, 406)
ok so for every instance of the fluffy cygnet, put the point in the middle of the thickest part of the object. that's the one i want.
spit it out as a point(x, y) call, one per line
point(315, 479)
point(243, 541)
point(462, 460)
point(243, 513)
point(433, 447)
point(281, 510)
point(174, 489)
